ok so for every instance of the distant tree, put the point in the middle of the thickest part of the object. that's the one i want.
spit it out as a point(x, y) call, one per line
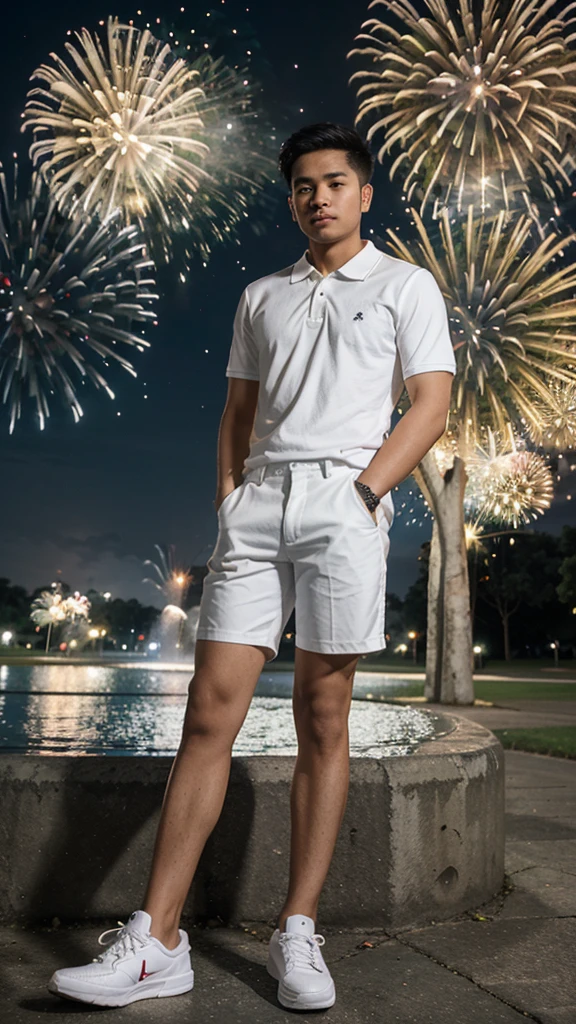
point(120, 617)
point(416, 601)
point(394, 618)
point(523, 573)
point(566, 589)
point(14, 605)
point(63, 588)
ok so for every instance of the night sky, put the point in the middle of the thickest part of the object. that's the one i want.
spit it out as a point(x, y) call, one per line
point(86, 502)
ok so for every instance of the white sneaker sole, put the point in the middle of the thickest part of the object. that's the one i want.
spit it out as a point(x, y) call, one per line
point(147, 989)
point(304, 1000)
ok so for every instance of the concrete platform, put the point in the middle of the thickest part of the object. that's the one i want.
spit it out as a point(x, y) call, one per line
point(509, 960)
point(422, 837)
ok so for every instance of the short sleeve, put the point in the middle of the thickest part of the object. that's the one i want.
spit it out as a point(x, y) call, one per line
point(422, 330)
point(243, 358)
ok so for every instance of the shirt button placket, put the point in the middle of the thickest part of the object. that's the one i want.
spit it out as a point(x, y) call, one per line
point(318, 300)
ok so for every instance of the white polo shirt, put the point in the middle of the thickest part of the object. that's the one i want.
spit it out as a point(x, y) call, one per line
point(331, 354)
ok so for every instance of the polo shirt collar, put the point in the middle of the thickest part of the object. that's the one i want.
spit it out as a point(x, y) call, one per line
point(356, 269)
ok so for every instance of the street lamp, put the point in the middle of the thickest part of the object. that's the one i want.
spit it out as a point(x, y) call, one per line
point(413, 636)
point(555, 645)
point(6, 637)
point(477, 656)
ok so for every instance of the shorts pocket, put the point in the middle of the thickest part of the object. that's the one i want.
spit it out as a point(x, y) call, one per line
point(228, 499)
point(358, 499)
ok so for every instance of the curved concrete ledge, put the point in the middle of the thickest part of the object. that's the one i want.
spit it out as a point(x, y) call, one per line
point(422, 838)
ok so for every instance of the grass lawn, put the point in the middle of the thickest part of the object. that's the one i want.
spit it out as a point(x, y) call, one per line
point(555, 740)
point(507, 690)
point(534, 668)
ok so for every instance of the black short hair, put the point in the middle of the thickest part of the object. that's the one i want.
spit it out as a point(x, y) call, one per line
point(327, 135)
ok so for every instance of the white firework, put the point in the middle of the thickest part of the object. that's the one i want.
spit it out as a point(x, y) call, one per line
point(131, 125)
point(70, 292)
point(506, 484)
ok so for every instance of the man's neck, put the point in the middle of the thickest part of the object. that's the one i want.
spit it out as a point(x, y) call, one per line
point(327, 258)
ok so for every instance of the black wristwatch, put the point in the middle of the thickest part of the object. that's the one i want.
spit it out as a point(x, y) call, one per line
point(370, 499)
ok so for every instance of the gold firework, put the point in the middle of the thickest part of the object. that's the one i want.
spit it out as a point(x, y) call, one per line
point(171, 581)
point(552, 424)
point(512, 316)
point(520, 491)
point(455, 442)
point(506, 484)
point(473, 536)
point(475, 102)
point(132, 126)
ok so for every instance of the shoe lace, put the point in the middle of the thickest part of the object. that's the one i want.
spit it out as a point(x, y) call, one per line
point(301, 950)
point(126, 941)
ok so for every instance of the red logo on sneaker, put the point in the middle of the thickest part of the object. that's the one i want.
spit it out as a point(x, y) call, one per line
point(144, 973)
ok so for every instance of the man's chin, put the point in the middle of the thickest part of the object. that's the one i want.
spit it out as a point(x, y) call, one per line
point(330, 232)
point(323, 225)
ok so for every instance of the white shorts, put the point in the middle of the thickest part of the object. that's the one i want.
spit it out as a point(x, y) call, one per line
point(298, 534)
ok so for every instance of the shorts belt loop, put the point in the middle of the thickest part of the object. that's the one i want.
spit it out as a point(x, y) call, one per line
point(325, 463)
point(261, 473)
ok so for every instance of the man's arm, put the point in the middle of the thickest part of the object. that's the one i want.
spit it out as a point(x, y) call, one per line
point(234, 434)
point(414, 434)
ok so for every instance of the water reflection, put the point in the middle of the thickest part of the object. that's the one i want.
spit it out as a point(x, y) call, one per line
point(87, 710)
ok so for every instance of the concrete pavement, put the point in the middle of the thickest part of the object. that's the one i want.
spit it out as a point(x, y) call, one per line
point(506, 713)
point(509, 960)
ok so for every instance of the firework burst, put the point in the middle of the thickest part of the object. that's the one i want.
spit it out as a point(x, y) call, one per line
point(506, 484)
point(172, 143)
point(552, 424)
point(51, 606)
point(453, 443)
point(475, 101)
point(520, 491)
point(171, 581)
point(512, 316)
point(67, 292)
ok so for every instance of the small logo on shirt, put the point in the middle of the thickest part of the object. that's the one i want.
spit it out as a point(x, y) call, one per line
point(359, 316)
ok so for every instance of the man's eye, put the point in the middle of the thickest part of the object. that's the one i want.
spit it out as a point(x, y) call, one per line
point(306, 188)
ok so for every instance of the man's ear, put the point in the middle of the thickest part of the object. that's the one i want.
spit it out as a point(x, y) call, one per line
point(367, 193)
point(291, 208)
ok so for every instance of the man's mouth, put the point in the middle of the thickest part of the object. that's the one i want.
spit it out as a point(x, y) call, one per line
point(319, 220)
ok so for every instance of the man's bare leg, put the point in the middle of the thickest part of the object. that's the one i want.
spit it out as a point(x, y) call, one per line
point(322, 695)
point(220, 693)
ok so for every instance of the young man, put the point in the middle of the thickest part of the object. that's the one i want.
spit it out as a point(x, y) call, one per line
point(305, 474)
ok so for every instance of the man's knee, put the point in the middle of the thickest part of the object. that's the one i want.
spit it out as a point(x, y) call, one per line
point(322, 720)
point(322, 695)
point(213, 710)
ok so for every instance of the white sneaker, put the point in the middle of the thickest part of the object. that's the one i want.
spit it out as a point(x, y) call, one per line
point(135, 966)
point(295, 960)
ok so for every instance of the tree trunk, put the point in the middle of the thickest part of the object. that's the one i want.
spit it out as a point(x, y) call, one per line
point(433, 684)
point(449, 651)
